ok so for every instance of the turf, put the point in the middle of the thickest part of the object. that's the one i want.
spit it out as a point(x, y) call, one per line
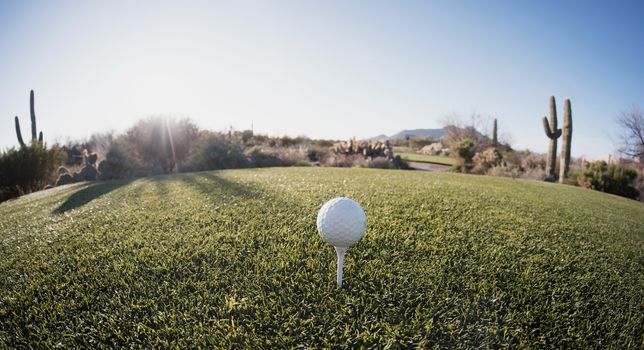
point(425, 158)
point(232, 259)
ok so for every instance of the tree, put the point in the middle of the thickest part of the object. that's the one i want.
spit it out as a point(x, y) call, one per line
point(632, 138)
point(162, 142)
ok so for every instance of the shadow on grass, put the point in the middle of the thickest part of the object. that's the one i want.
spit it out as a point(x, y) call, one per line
point(212, 183)
point(88, 193)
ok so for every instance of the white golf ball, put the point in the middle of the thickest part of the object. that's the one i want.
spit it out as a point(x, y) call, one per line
point(341, 222)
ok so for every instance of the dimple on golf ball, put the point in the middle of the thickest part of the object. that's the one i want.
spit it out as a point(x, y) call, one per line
point(341, 222)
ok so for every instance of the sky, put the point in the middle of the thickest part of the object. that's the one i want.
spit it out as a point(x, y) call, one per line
point(325, 69)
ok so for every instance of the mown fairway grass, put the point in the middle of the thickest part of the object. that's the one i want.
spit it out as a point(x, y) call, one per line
point(232, 259)
point(425, 158)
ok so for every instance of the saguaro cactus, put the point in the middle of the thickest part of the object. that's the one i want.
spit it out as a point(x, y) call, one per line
point(565, 146)
point(18, 133)
point(33, 123)
point(495, 139)
point(553, 134)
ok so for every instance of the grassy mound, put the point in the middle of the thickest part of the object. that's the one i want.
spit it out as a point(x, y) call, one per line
point(233, 258)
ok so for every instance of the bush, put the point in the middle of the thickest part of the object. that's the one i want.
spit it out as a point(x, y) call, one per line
point(87, 173)
point(379, 163)
point(290, 156)
point(399, 163)
point(262, 158)
point(505, 170)
point(343, 161)
point(64, 179)
point(534, 174)
point(316, 154)
point(116, 165)
point(28, 169)
point(323, 143)
point(533, 161)
point(160, 142)
point(609, 178)
point(485, 160)
point(215, 151)
point(464, 152)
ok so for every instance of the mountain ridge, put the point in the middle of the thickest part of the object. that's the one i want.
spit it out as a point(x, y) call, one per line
point(432, 133)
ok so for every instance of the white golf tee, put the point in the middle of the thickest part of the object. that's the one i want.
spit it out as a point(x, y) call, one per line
point(340, 251)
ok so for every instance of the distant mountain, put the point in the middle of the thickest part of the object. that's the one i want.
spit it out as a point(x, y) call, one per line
point(433, 133)
point(380, 137)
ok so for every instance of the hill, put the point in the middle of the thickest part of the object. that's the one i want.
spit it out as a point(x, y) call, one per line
point(232, 259)
point(431, 133)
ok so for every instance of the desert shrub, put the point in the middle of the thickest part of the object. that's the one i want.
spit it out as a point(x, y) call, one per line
point(91, 158)
point(533, 161)
point(399, 163)
point(483, 161)
point(316, 154)
point(117, 164)
point(505, 170)
point(64, 179)
point(263, 157)
point(379, 163)
point(464, 151)
point(320, 144)
point(74, 153)
point(78, 150)
point(343, 160)
point(28, 169)
point(246, 136)
point(161, 142)
point(256, 140)
point(534, 174)
point(609, 178)
point(290, 156)
point(287, 141)
point(87, 173)
point(215, 151)
point(350, 161)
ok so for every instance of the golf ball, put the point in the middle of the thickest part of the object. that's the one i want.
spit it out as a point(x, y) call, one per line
point(341, 222)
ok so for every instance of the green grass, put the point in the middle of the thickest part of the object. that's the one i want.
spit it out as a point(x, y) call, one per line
point(425, 158)
point(232, 259)
point(403, 149)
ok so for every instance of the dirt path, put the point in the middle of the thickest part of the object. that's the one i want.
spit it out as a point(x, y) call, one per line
point(429, 166)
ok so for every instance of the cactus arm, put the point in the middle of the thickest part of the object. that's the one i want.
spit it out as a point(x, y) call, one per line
point(40, 137)
point(549, 132)
point(18, 133)
point(553, 114)
point(34, 133)
point(546, 128)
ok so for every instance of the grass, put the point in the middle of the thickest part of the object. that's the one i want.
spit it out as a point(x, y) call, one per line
point(403, 149)
point(232, 259)
point(425, 158)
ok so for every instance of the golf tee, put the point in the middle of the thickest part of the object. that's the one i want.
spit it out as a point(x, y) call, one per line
point(340, 251)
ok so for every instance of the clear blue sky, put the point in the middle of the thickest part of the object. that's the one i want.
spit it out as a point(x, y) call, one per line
point(325, 69)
